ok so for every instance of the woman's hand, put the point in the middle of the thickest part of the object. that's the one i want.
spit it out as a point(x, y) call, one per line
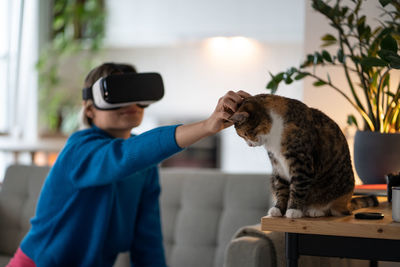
point(186, 135)
point(227, 105)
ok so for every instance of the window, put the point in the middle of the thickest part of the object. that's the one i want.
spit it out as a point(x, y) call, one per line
point(10, 44)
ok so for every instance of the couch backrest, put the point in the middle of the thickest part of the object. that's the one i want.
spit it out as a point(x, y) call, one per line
point(18, 197)
point(202, 209)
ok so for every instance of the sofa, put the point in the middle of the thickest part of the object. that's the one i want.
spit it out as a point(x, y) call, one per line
point(201, 210)
point(209, 218)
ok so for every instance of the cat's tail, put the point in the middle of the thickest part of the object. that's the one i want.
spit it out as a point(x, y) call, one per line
point(363, 202)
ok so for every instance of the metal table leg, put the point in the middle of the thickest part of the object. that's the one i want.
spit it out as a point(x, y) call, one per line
point(292, 252)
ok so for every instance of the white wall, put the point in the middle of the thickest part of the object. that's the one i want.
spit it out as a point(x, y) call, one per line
point(194, 78)
point(160, 22)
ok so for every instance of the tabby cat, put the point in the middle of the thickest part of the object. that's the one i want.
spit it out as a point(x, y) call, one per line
point(312, 171)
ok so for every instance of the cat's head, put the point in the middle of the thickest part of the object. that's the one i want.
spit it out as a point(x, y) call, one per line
point(252, 121)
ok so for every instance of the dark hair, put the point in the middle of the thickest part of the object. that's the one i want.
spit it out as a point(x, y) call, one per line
point(107, 69)
point(103, 70)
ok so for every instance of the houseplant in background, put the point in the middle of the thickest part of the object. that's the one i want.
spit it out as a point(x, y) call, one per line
point(370, 60)
point(77, 30)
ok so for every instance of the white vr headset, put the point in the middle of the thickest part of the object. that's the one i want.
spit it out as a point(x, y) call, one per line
point(119, 90)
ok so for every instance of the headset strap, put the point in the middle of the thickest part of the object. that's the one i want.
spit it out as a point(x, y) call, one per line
point(87, 93)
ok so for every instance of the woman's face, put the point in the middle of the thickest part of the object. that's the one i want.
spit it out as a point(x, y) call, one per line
point(118, 122)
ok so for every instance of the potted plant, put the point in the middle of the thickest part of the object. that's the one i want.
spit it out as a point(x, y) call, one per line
point(369, 58)
point(77, 29)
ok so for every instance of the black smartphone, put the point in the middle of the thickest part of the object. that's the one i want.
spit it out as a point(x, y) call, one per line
point(369, 215)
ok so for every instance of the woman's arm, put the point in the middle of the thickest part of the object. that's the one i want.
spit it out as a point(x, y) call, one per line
point(186, 135)
point(93, 159)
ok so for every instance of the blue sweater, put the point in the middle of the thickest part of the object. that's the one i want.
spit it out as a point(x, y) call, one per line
point(101, 198)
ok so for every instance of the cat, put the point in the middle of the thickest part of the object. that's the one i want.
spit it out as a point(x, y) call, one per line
point(312, 169)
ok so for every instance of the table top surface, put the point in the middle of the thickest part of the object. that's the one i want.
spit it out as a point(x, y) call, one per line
point(384, 228)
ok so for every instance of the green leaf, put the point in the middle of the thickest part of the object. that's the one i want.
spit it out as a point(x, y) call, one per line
point(326, 56)
point(361, 21)
point(361, 26)
point(274, 83)
point(340, 56)
point(328, 40)
point(366, 35)
point(291, 71)
point(350, 19)
point(273, 86)
point(58, 23)
point(351, 120)
point(373, 62)
point(344, 11)
point(391, 57)
point(328, 43)
point(328, 37)
point(358, 6)
point(288, 79)
point(319, 83)
point(300, 76)
point(389, 43)
point(308, 62)
point(395, 63)
point(279, 77)
point(317, 58)
point(385, 54)
point(385, 2)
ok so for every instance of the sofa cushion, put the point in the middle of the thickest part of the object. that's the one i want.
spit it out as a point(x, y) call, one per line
point(190, 215)
point(18, 197)
point(246, 199)
point(202, 209)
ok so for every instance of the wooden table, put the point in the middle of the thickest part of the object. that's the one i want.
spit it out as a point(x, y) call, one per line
point(344, 237)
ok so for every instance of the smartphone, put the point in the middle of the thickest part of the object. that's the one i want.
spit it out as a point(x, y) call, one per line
point(369, 215)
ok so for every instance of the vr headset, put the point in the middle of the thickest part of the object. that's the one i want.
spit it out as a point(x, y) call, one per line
point(119, 90)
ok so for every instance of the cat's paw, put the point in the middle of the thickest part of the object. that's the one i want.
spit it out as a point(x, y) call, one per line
point(315, 213)
point(294, 213)
point(275, 212)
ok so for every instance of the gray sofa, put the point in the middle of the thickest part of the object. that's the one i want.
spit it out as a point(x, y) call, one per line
point(209, 219)
point(201, 211)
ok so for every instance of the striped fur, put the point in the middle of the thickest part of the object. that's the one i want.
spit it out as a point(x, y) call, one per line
point(363, 202)
point(312, 171)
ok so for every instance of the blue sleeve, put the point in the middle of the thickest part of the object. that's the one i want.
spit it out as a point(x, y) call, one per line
point(147, 247)
point(91, 160)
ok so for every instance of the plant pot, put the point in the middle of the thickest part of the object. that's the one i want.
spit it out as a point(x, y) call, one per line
point(375, 155)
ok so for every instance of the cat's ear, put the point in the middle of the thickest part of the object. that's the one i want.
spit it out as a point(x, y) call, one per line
point(239, 117)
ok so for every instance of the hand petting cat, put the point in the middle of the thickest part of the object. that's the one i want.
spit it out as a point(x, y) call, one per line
point(227, 105)
point(188, 134)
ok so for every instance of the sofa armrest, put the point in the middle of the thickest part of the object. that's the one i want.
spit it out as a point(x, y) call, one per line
point(254, 248)
point(250, 252)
